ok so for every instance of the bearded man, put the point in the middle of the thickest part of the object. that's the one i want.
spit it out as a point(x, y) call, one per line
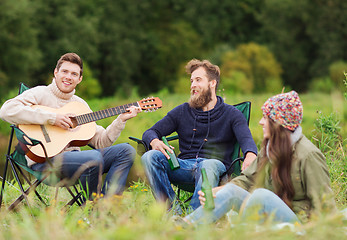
point(207, 129)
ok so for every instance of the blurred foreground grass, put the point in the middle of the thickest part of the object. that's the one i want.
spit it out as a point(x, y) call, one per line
point(136, 215)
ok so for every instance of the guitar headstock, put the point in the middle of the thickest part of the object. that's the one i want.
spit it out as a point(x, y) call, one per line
point(150, 104)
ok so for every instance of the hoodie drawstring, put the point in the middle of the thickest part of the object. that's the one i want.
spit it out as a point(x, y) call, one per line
point(194, 131)
point(208, 132)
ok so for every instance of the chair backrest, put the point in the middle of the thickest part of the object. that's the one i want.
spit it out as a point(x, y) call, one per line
point(24, 141)
point(18, 156)
point(245, 108)
point(22, 88)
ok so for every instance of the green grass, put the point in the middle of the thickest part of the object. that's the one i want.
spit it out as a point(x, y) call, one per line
point(136, 215)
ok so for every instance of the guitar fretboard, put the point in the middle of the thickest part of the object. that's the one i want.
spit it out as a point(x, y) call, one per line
point(95, 116)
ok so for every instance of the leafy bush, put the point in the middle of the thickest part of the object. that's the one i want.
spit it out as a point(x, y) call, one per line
point(327, 131)
point(330, 142)
point(258, 65)
point(237, 82)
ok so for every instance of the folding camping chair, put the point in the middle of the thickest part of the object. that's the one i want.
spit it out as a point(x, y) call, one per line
point(235, 167)
point(19, 169)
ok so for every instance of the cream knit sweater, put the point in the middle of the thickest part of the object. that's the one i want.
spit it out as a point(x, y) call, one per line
point(18, 111)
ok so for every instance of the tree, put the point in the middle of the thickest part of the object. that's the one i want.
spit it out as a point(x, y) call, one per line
point(305, 36)
point(120, 45)
point(225, 21)
point(20, 55)
point(326, 25)
point(283, 29)
point(65, 26)
point(173, 45)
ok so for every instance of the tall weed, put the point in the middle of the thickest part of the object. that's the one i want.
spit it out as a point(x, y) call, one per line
point(327, 131)
point(328, 138)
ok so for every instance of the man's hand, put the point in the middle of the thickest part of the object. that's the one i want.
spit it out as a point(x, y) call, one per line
point(202, 195)
point(160, 146)
point(64, 121)
point(131, 112)
point(248, 160)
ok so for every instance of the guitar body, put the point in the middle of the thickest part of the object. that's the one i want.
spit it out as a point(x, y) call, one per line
point(56, 139)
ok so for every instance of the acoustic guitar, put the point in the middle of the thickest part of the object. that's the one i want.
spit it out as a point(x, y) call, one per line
point(56, 139)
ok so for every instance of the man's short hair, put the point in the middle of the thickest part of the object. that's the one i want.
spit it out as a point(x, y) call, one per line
point(70, 57)
point(212, 71)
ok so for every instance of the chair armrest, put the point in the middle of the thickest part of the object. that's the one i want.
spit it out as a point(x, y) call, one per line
point(91, 146)
point(228, 175)
point(141, 145)
point(175, 137)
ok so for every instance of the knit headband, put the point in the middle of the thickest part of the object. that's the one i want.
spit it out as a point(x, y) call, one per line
point(284, 109)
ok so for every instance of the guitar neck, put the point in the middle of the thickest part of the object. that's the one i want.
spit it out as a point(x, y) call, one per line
point(98, 115)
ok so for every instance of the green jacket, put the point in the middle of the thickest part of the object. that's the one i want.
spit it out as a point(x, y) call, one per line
point(310, 178)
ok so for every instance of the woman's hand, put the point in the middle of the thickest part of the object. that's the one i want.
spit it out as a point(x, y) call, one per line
point(202, 195)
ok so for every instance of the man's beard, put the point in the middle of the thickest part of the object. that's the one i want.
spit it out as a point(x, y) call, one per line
point(201, 100)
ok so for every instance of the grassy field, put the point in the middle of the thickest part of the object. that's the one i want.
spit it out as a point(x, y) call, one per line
point(136, 215)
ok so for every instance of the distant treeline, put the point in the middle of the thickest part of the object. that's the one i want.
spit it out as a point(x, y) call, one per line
point(143, 44)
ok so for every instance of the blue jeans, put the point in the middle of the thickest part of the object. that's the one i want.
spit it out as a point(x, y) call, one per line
point(115, 160)
point(232, 197)
point(161, 176)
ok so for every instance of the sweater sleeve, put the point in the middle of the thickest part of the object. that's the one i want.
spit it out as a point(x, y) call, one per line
point(163, 127)
point(106, 137)
point(18, 110)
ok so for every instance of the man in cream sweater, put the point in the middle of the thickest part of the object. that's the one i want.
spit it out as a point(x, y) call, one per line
point(115, 160)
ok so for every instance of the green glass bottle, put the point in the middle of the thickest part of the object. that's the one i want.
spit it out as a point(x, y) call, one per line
point(173, 162)
point(206, 188)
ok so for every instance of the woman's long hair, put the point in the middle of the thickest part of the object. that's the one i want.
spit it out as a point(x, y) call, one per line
point(280, 153)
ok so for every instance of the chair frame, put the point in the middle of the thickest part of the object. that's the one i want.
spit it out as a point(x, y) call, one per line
point(18, 170)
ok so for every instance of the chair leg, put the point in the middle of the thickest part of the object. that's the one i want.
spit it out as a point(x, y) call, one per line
point(80, 198)
point(32, 187)
point(30, 184)
point(188, 199)
point(3, 182)
point(75, 198)
point(24, 195)
point(6, 165)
